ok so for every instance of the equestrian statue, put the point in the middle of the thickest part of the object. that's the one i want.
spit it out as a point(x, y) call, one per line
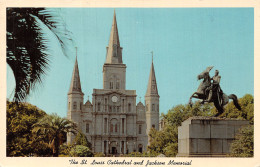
point(209, 91)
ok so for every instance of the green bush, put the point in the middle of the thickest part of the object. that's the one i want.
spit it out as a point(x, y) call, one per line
point(99, 154)
point(80, 151)
point(243, 145)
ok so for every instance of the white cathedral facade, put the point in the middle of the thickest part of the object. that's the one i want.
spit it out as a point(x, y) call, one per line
point(113, 123)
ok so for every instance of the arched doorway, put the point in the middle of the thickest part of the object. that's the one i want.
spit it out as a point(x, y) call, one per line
point(113, 147)
point(140, 148)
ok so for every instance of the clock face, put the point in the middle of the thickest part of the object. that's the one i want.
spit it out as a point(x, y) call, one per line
point(114, 99)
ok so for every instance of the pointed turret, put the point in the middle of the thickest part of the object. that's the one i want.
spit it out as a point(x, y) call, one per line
point(75, 86)
point(114, 51)
point(75, 101)
point(152, 85)
point(152, 103)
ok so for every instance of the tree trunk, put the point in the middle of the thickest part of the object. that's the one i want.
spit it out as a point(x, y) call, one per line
point(56, 148)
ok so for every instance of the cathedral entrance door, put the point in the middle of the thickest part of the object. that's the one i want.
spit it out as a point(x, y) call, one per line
point(114, 150)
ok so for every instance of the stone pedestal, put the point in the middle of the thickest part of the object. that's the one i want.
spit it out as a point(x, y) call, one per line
point(207, 136)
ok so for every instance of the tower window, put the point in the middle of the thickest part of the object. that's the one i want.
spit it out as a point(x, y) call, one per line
point(153, 126)
point(117, 84)
point(99, 106)
point(118, 109)
point(74, 105)
point(87, 127)
point(140, 129)
point(153, 107)
point(129, 107)
point(111, 85)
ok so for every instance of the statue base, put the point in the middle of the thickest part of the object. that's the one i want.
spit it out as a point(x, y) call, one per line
point(207, 136)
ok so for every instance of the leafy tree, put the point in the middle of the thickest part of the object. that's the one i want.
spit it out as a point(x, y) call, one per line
point(28, 47)
point(81, 139)
point(20, 139)
point(247, 109)
point(243, 145)
point(54, 128)
point(80, 151)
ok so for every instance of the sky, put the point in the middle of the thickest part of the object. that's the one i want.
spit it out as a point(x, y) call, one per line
point(185, 41)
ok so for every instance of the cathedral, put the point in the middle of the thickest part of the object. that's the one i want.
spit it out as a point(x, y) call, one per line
point(113, 123)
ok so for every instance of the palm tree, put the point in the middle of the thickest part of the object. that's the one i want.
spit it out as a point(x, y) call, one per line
point(54, 129)
point(28, 44)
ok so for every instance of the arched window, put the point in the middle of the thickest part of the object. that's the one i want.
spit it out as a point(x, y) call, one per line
point(111, 127)
point(111, 84)
point(153, 107)
point(87, 127)
point(74, 105)
point(129, 107)
point(115, 127)
point(105, 125)
point(117, 84)
point(105, 104)
point(123, 125)
point(99, 104)
point(123, 105)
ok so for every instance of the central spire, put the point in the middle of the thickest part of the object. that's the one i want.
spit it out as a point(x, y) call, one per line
point(114, 51)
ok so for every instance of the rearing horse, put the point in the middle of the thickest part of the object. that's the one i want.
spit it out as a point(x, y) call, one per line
point(219, 100)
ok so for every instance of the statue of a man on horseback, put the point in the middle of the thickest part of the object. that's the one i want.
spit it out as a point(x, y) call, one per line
point(211, 92)
point(215, 87)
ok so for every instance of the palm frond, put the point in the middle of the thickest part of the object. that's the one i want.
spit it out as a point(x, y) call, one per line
point(28, 46)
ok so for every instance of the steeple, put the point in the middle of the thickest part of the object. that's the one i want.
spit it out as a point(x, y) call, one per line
point(114, 51)
point(152, 85)
point(75, 86)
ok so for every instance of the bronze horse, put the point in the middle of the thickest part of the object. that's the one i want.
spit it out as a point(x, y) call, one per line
point(219, 99)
